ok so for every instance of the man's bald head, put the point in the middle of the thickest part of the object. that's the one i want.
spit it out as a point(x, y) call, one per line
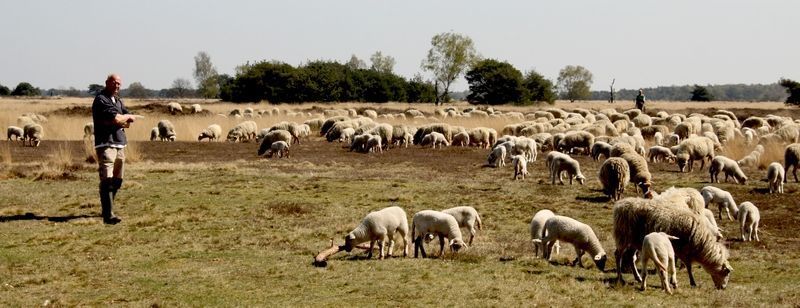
point(113, 84)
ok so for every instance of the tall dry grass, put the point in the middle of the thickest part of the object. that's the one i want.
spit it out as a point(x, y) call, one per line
point(59, 165)
point(5, 154)
point(132, 153)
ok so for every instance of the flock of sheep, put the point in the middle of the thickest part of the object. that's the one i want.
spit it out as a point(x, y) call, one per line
point(28, 130)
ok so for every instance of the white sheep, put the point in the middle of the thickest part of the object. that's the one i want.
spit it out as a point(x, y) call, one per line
point(520, 166)
point(525, 146)
point(461, 139)
point(244, 131)
point(280, 147)
point(656, 246)
point(380, 226)
point(640, 173)
point(467, 217)
point(434, 139)
point(174, 108)
point(154, 133)
point(723, 199)
point(437, 224)
point(578, 139)
point(580, 235)
point(497, 157)
point(272, 137)
point(212, 132)
point(196, 108)
point(558, 163)
point(614, 176)
point(15, 132)
point(749, 218)
point(658, 138)
point(33, 133)
point(712, 223)
point(346, 134)
point(166, 131)
point(537, 227)
point(694, 148)
point(658, 153)
point(729, 166)
point(601, 148)
point(88, 130)
point(374, 144)
point(359, 143)
point(775, 176)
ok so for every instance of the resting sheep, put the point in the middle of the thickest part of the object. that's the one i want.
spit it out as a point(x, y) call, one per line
point(580, 235)
point(437, 224)
point(656, 246)
point(166, 131)
point(558, 163)
point(723, 199)
point(749, 217)
point(15, 132)
point(520, 166)
point(212, 132)
point(791, 159)
point(614, 176)
point(280, 147)
point(379, 226)
point(775, 176)
point(32, 133)
point(537, 228)
point(729, 166)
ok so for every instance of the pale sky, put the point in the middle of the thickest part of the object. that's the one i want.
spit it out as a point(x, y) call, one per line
point(641, 43)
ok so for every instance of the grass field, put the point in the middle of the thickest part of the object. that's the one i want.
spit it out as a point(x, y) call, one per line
point(211, 224)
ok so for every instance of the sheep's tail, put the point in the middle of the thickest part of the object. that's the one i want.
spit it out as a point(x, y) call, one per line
point(656, 260)
point(478, 222)
point(413, 229)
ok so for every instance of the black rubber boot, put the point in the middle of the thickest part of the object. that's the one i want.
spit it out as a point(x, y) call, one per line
point(115, 186)
point(107, 202)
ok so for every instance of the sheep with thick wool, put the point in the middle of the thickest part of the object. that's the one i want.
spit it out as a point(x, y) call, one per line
point(433, 139)
point(468, 218)
point(166, 130)
point(461, 139)
point(380, 226)
point(497, 157)
point(15, 132)
point(729, 166)
point(527, 147)
point(437, 224)
point(212, 132)
point(537, 228)
point(558, 163)
point(791, 159)
point(775, 176)
point(720, 197)
point(579, 139)
point(271, 137)
point(600, 148)
point(749, 218)
point(614, 176)
point(244, 131)
point(640, 173)
point(581, 236)
point(659, 153)
point(279, 147)
point(695, 148)
point(33, 134)
point(657, 247)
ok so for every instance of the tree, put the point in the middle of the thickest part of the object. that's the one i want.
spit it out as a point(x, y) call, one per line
point(25, 89)
point(539, 89)
point(95, 89)
point(206, 76)
point(574, 83)
point(493, 82)
point(181, 87)
point(793, 89)
point(355, 63)
point(701, 94)
point(137, 90)
point(450, 55)
point(381, 63)
point(4, 90)
point(420, 91)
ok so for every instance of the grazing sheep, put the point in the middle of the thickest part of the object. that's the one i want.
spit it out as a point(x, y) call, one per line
point(525, 146)
point(379, 226)
point(328, 123)
point(520, 166)
point(467, 217)
point(712, 223)
point(580, 235)
point(15, 132)
point(614, 176)
point(775, 176)
point(212, 132)
point(385, 131)
point(154, 133)
point(658, 153)
point(374, 144)
point(359, 143)
point(461, 139)
point(174, 108)
point(656, 246)
point(442, 128)
point(242, 132)
point(88, 130)
point(729, 166)
point(634, 218)
point(748, 219)
point(619, 148)
point(695, 148)
point(723, 199)
point(347, 134)
point(481, 137)
point(196, 108)
point(497, 158)
point(750, 160)
point(640, 173)
point(166, 131)
point(580, 139)
point(32, 133)
point(791, 159)
point(437, 224)
point(537, 228)
point(434, 139)
point(272, 137)
point(559, 163)
point(601, 148)
point(280, 147)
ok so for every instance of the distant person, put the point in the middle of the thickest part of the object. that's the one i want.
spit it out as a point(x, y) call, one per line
point(640, 99)
point(110, 120)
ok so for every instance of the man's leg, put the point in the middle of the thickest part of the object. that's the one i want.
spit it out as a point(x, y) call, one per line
point(106, 159)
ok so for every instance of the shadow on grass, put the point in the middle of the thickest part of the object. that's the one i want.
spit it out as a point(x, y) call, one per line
point(762, 191)
point(594, 199)
point(32, 216)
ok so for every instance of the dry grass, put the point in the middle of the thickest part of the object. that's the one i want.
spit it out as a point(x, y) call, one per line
point(132, 153)
point(5, 154)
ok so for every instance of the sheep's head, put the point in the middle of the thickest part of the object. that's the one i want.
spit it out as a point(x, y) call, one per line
point(682, 159)
point(580, 178)
point(348, 242)
point(457, 244)
point(646, 188)
point(600, 261)
point(721, 275)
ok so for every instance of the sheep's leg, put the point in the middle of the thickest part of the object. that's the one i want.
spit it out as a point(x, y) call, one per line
point(441, 246)
point(471, 234)
point(673, 273)
point(688, 264)
point(631, 256)
point(663, 275)
point(371, 246)
point(755, 229)
point(578, 260)
point(618, 260)
point(644, 274)
point(381, 246)
point(419, 245)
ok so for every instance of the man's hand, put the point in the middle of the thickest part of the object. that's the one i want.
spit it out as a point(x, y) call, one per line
point(124, 120)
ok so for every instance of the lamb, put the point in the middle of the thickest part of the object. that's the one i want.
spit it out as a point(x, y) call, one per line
point(723, 199)
point(272, 137)
point(729, 166)
point(580, 235)
point(347, 134)
point(537, 228)
point(32, 133)
point(154, 133)
point(174, 108)
point(658, 153)
point(244, 131)
point(434, 139)
point(438, 224)
point(634, 218)
point(525, 146)
point(280, 147)
point(775, 176)
point(88, 130)
point(380, 226)
point(695, 148)
point(791, 159)
point(15, 132)
point(614, 176)
point(748, 219)
point(497, 158)
point(656, 246)
point(212, 132)
point(374, 144)
point(385, 132)
point(166, 131)
point(520, 166)
point(467, 217)
point(750, 160)
point(560, 163)
point(640, 173)
point(461, 139)
point(359, 143)
point(600, 148)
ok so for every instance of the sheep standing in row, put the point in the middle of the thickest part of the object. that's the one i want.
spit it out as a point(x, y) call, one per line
point(15, 132)
point(791, 159)
point(379, 226)
point(467, 217)
point(88, 130)
point(280, 147)
point(775, 176)
point(359, 143)
point(166, 131)
point(461, 139)
point(634, 218)
point(558, 163)
point(580, 235)
point(527, 147)
point(520, 166)
point(213, 132)
point(729, 166)
point(614, 176)
point(33, 133)
point(749, 218)
point(580, 139)
point(723, 199)
point(656, 246)
point(537, 229)
point(437, 224)
point(174, 108)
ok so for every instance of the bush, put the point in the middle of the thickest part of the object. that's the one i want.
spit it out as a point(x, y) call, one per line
point(25, 89)
point(793, 89)
point(493, 82)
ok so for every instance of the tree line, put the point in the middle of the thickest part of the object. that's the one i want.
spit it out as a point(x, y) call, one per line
point(727, 92)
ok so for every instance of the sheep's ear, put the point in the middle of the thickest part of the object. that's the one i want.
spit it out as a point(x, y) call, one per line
point(350, 236)
point(672, 237)
point(727, 267)
point(599, 256)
